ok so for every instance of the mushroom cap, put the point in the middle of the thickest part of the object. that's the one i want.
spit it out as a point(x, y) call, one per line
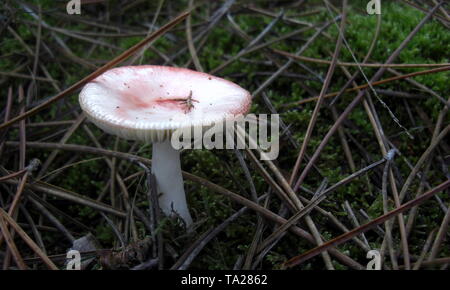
point(149, 102)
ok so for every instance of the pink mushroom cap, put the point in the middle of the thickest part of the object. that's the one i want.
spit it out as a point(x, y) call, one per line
point(146, 102)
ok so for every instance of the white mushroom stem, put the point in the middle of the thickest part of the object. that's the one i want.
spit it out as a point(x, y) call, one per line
point(167, 169)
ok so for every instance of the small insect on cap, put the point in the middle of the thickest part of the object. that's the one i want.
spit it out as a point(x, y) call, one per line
point(149, 102)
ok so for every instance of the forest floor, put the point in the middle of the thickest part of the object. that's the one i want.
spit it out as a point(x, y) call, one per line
point(89, 188)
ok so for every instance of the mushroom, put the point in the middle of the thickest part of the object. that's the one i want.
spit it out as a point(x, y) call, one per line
point(148, 103)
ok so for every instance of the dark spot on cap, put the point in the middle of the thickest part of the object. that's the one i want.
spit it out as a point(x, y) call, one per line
point(117, 107)
point(161, 86)
point(209, 78)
